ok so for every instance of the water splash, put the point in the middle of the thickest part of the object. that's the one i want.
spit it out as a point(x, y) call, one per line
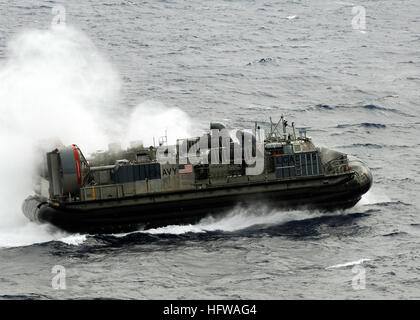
point(53, 83)
point(74, 239)
point(372, 197)
point(240, 218)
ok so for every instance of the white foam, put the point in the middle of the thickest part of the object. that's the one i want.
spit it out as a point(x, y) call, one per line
point(372, 197)
point(27, 234)
point(345, 3)
point(238, 219)
point(176, 229)
point(347, 264)
point(74, 239)
point(32, 233)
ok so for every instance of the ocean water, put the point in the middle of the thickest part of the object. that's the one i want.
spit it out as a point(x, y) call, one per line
point(122, 70)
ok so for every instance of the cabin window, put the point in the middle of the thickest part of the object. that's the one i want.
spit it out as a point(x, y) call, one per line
point(143, 157)
point(297, 148)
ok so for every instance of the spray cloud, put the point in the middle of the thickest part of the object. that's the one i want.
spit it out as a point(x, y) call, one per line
point(53, 83)
point(56, 86)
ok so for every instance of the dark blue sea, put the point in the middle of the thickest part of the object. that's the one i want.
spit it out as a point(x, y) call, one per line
point(123, 70)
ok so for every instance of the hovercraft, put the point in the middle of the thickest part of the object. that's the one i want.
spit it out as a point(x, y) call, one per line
point(143, 187)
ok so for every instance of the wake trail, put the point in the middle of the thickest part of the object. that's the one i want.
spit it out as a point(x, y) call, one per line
point(241, 218)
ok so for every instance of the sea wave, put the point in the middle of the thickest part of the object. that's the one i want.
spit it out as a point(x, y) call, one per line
point(367, 107)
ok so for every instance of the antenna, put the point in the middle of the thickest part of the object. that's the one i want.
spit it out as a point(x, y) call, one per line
point(164, 139)
point(294, 131)
point(284, 122)
point(274, 133)
point(271, 127)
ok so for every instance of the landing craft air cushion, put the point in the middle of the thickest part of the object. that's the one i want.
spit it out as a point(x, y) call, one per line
point(126, 190)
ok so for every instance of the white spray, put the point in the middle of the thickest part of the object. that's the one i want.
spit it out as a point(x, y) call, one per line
point(241, 218)
point(53, 83)
point(151, 120)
